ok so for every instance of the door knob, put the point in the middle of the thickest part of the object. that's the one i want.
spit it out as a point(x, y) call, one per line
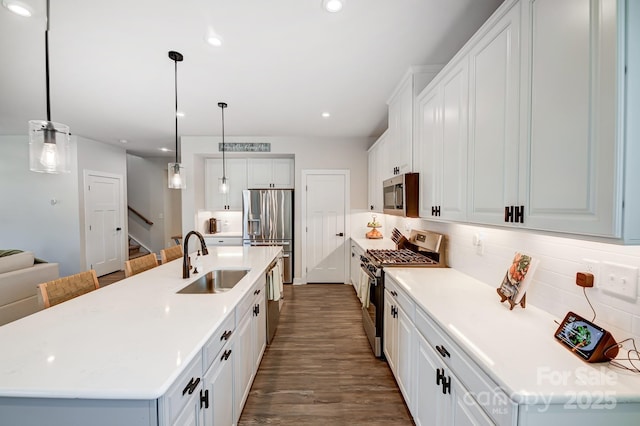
point(118, 229)
point(340, 234)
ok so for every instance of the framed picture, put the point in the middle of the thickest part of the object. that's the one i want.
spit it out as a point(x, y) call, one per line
point(517, 279)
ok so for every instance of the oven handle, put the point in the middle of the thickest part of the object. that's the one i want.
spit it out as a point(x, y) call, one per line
point(371, 276)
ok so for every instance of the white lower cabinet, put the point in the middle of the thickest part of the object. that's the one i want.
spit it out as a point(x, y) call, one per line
point(398, 338)
point(440, 398)
point(181, 404)
point(218, 383)
point(250, 343)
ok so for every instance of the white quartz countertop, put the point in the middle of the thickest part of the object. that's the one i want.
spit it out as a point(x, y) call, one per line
point(129, 340)
point(517, 349)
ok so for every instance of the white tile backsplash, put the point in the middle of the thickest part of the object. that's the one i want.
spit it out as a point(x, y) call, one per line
point(553, 289)
point(228, 221)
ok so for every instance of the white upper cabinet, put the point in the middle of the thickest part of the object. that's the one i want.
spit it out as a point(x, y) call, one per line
point(494, 145)
point(569, 111)
point(236, 172)
point(441, 144)
point(375, 157)
point(269, 173)
point(398, 144)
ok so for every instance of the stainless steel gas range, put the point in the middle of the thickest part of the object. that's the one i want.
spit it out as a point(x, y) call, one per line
point(423, 249)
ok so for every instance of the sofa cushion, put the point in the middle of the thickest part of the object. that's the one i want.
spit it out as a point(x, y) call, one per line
point(16, 261)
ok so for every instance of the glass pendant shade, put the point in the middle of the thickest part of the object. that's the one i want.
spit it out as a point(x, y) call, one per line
point(49, 147)
point(223, 185)
point(177, 179)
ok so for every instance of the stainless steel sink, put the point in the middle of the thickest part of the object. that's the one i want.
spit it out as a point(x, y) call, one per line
point(217, 281)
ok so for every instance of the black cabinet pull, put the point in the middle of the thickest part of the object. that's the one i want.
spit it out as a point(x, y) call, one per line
point(446, 385)
point(204, 399)
point(191, 386)
point(439, 376)
point(226, 335)
point(443, 351)
point(225, 355)
point(256, 310)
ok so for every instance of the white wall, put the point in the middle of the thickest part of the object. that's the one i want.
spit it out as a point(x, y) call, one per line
point(44, 213)
point(553, 289)
point(310, 153)
point(149, 194)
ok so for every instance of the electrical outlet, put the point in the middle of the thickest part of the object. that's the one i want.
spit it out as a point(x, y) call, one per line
point(619, 280)
point(591, 266)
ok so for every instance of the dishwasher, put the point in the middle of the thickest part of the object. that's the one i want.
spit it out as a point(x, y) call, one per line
point(274, 297)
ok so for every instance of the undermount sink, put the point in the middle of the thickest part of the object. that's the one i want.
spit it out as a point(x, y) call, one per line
point(216, 281)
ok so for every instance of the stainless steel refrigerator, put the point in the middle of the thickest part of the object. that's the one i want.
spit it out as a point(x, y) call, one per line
point(268, 220)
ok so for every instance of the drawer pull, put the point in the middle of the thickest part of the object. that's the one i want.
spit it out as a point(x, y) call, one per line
point(225, 355)
point(439, 376)
point(443, 351)
point(191, 386)
point(446, 385)
point(204, 399)
point(226, 335)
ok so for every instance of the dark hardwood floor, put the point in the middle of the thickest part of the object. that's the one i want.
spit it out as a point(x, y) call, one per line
point(319, 369)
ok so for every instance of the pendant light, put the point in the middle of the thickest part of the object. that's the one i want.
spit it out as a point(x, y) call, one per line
point(176, 171)
point(223, 182)
point(49, 142)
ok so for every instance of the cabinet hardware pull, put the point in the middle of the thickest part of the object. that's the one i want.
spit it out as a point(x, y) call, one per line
point(225, 355)
point(226, 335)
point(204, 399)
point(439, 376)
point(446, 385)
point(340, 234)
point(191, 386)
point(443, 351)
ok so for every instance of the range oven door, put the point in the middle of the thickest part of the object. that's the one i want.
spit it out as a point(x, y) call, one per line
point(371, 314)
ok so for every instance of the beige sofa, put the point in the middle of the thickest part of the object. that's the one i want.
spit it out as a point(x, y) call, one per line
point(19, 279)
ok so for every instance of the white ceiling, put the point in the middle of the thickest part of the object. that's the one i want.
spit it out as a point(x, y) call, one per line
point(283, 63)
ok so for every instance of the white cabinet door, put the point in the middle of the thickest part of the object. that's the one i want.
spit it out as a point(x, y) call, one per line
point(219, 384)
point(494, 153)
point(441, 146)
point(259, 327)
point(401, 128)
point(236, 172)
point(428, 141)
point(283, 173)
point(375, 175)
point(427, 393)
point(269, 173)
point(390, 327)
point(405, 355)
point(569, 104)
point(243, 363)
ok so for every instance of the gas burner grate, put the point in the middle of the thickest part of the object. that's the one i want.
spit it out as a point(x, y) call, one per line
point(400, 257)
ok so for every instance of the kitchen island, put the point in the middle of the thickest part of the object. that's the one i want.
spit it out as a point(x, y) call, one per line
point(462, 356)
point(118, 355)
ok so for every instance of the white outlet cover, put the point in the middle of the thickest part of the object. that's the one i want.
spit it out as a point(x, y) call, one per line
point(619, 280)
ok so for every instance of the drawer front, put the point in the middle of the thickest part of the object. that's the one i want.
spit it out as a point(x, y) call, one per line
point(400, 297)
point(218, 340)
point(495, 402)
point(223, 241)
point(180, 393)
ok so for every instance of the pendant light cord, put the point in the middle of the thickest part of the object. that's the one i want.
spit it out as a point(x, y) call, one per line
point(46, 62)
point(175, 62)
point(224, 170)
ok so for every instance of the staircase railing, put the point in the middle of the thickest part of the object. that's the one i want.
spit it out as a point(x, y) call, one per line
point(137, 213)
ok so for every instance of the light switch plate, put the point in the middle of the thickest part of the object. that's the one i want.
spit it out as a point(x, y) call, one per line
point(619, 280)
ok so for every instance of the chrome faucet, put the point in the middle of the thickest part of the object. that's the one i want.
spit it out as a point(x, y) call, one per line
point(185, 259)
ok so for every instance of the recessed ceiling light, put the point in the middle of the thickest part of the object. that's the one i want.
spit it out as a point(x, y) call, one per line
point(326, 115)
point(214, 40)
point(124, 141)
point(180, 114)
point(17, 7)
point(332, 5)
point(163, 149)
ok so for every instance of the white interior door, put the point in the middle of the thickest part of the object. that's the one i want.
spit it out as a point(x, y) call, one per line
point(326, 227)
point(104, 228)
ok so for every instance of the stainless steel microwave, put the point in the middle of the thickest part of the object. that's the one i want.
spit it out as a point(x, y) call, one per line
point(400, 195)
